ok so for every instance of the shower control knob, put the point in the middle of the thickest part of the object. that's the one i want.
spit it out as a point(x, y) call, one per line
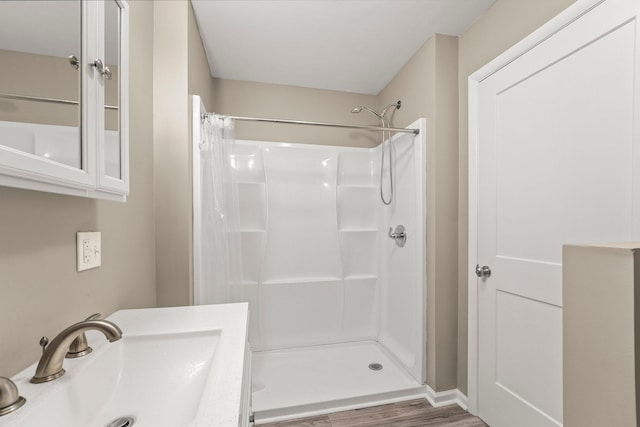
point(483, 272)
point(399, 235)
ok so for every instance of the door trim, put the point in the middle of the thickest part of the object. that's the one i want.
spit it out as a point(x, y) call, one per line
point(566, 17)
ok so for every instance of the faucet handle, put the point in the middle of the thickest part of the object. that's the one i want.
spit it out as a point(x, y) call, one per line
point(44, 341)
point(80, 346)
point(10, 400)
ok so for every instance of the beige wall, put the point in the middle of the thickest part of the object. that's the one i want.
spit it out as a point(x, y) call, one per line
point(41, 292)
point(180, 69)
point(172, 155)
point(600, 319)
point(242, 98)
point(503, 25)
point(427, 86)
point(446, 227)
point(200, 81)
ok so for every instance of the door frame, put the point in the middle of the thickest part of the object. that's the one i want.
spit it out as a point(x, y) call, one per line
point(566, 17)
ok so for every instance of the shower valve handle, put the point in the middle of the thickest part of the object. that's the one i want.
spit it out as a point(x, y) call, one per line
point(399, 235)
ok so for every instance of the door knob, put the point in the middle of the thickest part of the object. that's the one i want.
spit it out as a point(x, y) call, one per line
point(483, 272)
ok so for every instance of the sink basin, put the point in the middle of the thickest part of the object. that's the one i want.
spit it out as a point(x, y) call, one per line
point(173, 367)
point(139, 376)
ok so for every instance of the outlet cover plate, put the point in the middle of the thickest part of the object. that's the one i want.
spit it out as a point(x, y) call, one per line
point(88, 250)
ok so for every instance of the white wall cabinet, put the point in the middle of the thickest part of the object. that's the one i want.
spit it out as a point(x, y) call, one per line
point(64, 97)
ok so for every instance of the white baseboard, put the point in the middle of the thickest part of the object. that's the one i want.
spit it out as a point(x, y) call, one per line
point(447, 397)
point(462, 399)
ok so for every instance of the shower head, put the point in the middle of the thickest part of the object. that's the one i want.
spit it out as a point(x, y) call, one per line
point(382, 116)
point(359, 109)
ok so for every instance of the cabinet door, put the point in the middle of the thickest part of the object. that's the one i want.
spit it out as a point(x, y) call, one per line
point(113, 152)
point(43, 82)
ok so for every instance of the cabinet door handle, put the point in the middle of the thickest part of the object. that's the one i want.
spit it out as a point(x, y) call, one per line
point(104, 70)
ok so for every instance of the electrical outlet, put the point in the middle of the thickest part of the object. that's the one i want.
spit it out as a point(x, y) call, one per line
point(88, 250)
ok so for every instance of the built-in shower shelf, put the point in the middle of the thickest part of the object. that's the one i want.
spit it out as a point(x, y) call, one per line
point(290, 280)
point(358, 230)
point(251, 230)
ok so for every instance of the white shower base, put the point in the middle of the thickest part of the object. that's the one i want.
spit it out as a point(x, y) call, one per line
point(316, 380)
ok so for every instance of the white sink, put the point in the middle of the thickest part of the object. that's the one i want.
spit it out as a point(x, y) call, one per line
point(156, 379)
point(173, 367)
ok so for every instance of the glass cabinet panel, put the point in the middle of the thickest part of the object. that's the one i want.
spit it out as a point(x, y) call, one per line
point(112, 88)
point(64, 96)
point(40, 79)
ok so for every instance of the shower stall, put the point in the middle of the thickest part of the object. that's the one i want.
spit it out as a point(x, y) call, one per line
point(336, 292)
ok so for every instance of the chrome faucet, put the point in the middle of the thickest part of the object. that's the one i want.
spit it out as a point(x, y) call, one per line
point(50, 365)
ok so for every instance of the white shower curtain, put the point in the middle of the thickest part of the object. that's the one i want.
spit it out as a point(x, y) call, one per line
point(221, 267)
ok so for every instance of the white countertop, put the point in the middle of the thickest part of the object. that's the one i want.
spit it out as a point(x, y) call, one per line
point(221, 400)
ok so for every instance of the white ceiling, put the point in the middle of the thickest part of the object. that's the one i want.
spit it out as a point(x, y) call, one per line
point(345, 45)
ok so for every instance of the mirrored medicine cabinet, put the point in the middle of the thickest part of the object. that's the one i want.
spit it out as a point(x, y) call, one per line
point(64, 97)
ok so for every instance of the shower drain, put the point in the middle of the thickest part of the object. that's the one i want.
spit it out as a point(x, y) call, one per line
point(375, 366)
point(122, 422)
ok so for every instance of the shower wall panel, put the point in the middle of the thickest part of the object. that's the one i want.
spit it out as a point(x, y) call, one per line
point(402, 269)
point(300, 313)
point(247, 166)
point(301, 238)
point(309, 243)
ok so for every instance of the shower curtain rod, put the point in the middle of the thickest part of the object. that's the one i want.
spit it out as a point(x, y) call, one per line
point(325, 124)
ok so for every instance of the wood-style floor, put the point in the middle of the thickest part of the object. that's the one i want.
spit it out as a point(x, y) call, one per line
point(413, 413)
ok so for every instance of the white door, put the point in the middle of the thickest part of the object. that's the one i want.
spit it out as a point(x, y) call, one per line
point(558, 160)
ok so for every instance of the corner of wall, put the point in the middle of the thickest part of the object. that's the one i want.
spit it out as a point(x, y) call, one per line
point(200, 79)
point(446, 209)
point(172, 187)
